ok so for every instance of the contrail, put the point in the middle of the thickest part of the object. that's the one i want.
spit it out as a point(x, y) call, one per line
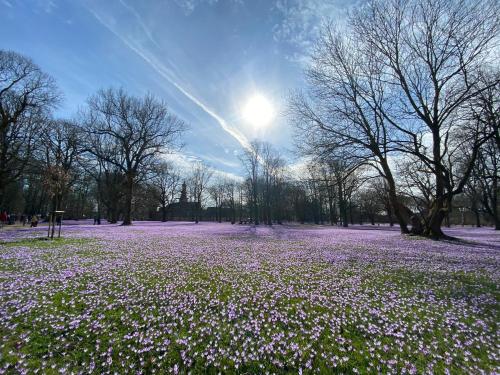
point(164, 72)
point(141, 22)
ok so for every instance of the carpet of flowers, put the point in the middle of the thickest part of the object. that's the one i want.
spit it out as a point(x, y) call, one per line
point(216, 298)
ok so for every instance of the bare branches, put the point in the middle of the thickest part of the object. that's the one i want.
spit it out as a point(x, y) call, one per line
point(27, 95)
point(397, 81)
point(129, 133)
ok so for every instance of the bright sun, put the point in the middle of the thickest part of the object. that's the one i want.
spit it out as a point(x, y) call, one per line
point(258, 111)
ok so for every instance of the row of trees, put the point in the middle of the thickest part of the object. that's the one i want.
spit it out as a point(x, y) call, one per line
point(399, 123)
point(115, 144)
point(109, 160)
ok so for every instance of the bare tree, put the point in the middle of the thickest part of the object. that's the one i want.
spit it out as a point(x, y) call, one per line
point(279, 174)
point(328, 178)
point(472, 192)
point(486, 110)
point(231, 188)
point(379, 186)
point(370, 203)
point(343, 111)
point(272, 179)
point(482, 190)
point(199, 180)
point(251, 159)
point(218, 192)
point(485, 107)
point(61, 148)
point(27, 95)
point(110, 186)
point(130, 133)
point(431, 52)
point(165, 183)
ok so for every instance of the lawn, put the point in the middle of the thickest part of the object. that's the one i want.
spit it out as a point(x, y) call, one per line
point(210, 298)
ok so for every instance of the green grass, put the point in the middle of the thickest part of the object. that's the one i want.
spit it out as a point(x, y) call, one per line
point(44, 242)
point(226, 285)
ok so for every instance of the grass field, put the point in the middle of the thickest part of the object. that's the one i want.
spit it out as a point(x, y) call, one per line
point(210, 298)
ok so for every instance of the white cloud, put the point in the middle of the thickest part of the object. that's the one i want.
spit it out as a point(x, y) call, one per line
point(188, 6)
point(302, 20)
point(185, 163)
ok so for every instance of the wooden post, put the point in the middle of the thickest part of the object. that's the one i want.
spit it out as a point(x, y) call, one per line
point(60, 224)
point(50, 220)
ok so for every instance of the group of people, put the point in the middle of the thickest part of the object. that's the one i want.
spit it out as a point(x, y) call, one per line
point(10, 219)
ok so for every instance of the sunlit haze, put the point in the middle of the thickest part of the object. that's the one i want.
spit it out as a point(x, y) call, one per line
point(258, 111)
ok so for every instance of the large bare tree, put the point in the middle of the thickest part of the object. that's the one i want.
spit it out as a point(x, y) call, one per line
point(130, 133)
point(342, 114)
point(396, 81)
point(27, 95)
point(432, 52)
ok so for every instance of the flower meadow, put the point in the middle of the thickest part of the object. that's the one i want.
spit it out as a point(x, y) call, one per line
point(220, 298)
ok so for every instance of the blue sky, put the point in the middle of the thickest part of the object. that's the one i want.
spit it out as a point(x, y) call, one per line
point(205, 58)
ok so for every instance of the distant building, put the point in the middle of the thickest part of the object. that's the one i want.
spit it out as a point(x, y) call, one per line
point(182, 210)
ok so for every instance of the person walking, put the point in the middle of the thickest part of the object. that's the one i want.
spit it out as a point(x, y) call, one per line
point(34, 221)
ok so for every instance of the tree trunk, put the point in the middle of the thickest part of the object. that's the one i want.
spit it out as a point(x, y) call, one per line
point(478, 218)
point(389, 215)
point(496, 191)
point(127, 217)
point(113, 215)
point(342, 206)
point(330, 209)
point(2, 194)
point(434, 222)
point(255, 209)
point(440, 206)
point(345, 223)
point(350, 213)
point(396, 206)
point(164, 213)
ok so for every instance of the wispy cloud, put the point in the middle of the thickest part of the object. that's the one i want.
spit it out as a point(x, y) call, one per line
point(188, 6)
point(301, 22)
point(167, 74)
point(185, 163)
point(140, 21)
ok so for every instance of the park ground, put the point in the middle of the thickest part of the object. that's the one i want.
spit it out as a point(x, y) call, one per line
point(220, 298)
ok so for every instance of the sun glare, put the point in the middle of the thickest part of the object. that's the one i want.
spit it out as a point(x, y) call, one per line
point(258, 111)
